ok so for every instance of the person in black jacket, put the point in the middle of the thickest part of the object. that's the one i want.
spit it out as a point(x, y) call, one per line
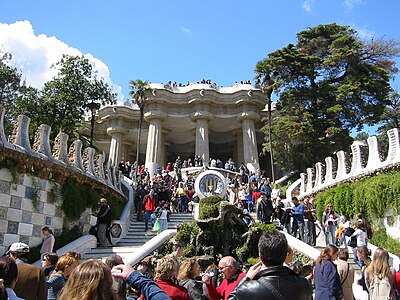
point(269, 279)
point(265, 210)
point(103, 223)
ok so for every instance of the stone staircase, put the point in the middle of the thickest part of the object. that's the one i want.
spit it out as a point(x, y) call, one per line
point(135, 237)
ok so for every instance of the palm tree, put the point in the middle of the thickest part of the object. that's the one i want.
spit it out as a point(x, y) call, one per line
point(139, 88)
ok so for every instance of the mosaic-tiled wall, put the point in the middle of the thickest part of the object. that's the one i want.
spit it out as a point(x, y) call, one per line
point(22, 221)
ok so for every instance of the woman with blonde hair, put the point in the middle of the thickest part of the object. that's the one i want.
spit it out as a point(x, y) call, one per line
point(64, 267)
point(380, 277)
point(188, 272)
point(326, 277)
point(165, 277)
point(91, 280)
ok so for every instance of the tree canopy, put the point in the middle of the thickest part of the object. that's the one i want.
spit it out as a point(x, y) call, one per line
point(327, 84)
point(10, 83)
point(62, 101)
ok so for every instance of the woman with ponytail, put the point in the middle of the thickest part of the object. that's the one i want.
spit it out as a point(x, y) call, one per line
point(326, 277)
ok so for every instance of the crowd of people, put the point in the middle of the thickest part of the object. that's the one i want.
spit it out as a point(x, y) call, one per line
point(275, 276)
point(172, 277)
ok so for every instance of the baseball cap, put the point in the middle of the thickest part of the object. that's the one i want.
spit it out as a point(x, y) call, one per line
point(18, 247)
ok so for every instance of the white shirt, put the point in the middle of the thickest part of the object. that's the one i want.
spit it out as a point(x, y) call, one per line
point(361, 237)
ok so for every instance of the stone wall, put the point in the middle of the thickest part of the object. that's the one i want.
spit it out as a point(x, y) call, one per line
point(29, 190)
point(325, 175)
point(21, 219)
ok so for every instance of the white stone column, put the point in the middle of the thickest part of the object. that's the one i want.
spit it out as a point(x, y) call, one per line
point(202, 147)
point(250, 152)
point(202, 142)
point(155, 149)
point(116, 148)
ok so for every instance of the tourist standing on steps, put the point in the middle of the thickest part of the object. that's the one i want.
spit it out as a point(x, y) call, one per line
point(329, 221)
point(326, 278)
point(309, 222)
point(346, 274)
point(48, 241)
point(361, 237)
point(149, 205)
point(265, 209)
point(380, 277)
point(162, 214)
point(298, 219)
point(103, 223)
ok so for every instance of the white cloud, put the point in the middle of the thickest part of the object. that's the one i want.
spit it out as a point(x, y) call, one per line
point(308, 5)
point(364, 33)
point(185, 30)
point(349, 4)
point(34, 54)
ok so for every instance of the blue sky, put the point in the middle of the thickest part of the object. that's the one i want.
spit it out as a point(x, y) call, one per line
point(176, 40)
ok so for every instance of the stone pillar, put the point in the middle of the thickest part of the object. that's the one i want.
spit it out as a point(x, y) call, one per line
point(249, 140)
point(116, 148)
point(154, 152)
point(202, 147)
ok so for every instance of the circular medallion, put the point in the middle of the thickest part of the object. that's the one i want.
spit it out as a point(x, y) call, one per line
point(210, 183)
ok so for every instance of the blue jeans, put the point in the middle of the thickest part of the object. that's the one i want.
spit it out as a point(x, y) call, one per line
point(182, 203)
point(310, 235)
point(331, 229)
point(300, 227)
point(147, 214)
point(163, 224)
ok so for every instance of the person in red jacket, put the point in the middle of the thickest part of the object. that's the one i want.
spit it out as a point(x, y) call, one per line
point(165, 277)
point(231, 275)
point(149, 205)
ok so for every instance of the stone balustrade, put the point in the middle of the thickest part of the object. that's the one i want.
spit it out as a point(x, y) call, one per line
point(315, 180)
point(61, 160)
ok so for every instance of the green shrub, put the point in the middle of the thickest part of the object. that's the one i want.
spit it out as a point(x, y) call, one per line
point(208, 207)
point(373, 196)
point(253, 260)
point(297, 256)
point(73, 203)
point(76, 198)
point(382, 239)
point(187, 232)
point(266, 227)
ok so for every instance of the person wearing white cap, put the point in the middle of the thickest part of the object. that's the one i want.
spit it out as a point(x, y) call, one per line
point(31, 284)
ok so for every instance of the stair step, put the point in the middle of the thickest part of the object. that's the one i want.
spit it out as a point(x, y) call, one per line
point(135, 237)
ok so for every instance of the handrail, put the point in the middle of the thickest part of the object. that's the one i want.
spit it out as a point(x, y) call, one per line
point(150, 246)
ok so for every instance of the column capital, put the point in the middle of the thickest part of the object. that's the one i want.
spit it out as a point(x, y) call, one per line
point(154, 114)
point(201, 115)
point(116, 129)
point(248, 115)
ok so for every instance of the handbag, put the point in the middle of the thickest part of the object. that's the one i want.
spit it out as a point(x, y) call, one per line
point(352, 242)
point(93, 230)
point(156, 226)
